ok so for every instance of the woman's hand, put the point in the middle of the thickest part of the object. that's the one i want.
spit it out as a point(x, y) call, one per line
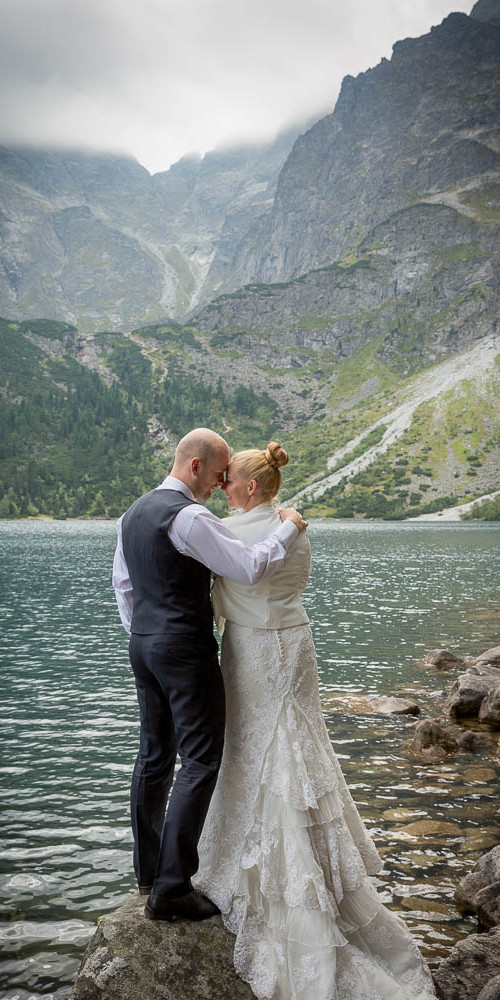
point(290, 514)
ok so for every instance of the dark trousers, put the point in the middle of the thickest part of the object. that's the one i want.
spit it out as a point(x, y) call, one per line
point(181, 702)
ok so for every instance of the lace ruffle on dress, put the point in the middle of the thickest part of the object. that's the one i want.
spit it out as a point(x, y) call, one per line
point(284, 852)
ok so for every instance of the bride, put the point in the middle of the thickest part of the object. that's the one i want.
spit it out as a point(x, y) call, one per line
point(284, 852)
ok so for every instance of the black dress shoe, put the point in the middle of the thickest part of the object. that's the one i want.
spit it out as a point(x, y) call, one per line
point(192, 906)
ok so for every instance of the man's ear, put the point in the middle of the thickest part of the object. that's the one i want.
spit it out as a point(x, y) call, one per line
point(195, 464)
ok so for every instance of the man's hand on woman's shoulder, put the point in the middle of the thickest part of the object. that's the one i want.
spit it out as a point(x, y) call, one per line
point(290, 514)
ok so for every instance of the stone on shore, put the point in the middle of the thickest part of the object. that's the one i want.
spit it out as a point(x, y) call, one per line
point(485, 873)
point(366, 704)
point(442, 659)
point(489, 711)
point(434, 739)
point(130, 957)
point(472, 742)
point(490, 656)
point(432, 735)
point(471, 688)
point(491, 991)
point(470, 968)
point(395, 706)
point(488, 905)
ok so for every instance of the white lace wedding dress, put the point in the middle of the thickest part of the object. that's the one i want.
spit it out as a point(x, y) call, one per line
point(284, 852)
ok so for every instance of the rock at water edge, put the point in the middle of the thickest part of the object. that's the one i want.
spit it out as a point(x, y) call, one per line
point(470, 967)
point(485, 873)
point(470, 689)
point(130, 957)
point(442, 659)
point(429, 733)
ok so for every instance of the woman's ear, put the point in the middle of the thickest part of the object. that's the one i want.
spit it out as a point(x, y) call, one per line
point(252, 487)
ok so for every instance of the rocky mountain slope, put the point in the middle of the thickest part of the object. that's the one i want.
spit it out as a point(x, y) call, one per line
point(95, 240)
point(424, 283)
point(423, 127)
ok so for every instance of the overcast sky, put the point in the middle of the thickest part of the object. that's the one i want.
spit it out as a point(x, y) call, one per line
point(160, 78)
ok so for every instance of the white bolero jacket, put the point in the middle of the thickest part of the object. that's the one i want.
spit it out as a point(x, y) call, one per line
point(275, 602)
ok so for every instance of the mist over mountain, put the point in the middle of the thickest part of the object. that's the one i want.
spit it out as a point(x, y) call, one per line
point(97, 241)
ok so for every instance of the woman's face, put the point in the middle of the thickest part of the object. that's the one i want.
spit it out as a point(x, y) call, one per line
point(235, 488)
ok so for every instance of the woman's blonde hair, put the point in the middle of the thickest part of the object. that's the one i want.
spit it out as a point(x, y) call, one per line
point(263, 466)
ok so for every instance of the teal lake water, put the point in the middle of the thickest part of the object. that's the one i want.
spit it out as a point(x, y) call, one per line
point(380, 595)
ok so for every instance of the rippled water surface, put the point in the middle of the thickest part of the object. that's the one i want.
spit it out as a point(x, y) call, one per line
point(380, 594)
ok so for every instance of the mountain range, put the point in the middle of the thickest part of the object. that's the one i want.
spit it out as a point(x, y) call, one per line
point(308, 288)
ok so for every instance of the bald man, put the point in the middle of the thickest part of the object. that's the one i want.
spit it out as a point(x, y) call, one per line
point(168, 545)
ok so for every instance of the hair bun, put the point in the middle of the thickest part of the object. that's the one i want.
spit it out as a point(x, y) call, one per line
point(276, 455)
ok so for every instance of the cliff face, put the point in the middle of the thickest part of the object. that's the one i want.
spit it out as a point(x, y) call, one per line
point(424, 284)
point(385, 222)
point(423, 126)
point(96, 240)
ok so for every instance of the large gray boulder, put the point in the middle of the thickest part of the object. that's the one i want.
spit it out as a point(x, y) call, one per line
point(489, 711)
point(491, 991)
point(470, 968)
point(471, 688)
point(131, 958)
point(488, 905)
point(486, 873)
point(491, 656)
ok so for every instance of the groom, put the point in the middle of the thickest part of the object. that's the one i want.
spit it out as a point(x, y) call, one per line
point(167, 547)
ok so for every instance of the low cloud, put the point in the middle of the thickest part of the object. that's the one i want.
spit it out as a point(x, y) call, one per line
point(159, 78)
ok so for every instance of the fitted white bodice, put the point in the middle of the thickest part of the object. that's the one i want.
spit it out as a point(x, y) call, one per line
point(275, 602)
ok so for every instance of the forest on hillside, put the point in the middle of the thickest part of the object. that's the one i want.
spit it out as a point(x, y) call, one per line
point(76, 445)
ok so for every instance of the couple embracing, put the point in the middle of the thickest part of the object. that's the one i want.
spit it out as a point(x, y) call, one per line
point(258, 824)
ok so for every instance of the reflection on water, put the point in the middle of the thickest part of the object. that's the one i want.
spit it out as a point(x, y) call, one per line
point(379, 595)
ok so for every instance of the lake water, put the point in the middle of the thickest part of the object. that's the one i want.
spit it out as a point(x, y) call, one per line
point(380, 594)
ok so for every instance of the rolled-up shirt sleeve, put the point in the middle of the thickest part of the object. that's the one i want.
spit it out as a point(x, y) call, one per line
point(121, 582)
point(205, 538)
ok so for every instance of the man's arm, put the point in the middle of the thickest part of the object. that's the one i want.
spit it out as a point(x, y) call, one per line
point(122, 583)
point(201, 535)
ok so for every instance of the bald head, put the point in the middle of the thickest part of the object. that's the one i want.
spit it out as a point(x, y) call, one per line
point(199, 443)
point(201, 458)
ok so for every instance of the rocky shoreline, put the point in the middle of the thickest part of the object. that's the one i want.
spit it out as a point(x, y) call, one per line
point(129, 956)
point(472, 969)
point(474, 695)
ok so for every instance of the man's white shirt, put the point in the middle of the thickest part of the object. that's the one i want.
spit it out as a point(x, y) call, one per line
point(198, 533)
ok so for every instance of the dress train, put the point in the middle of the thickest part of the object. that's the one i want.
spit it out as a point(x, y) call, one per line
point(284, 852)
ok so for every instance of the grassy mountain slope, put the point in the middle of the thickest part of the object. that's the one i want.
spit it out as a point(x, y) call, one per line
point(437, 445)
point(89, 422)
